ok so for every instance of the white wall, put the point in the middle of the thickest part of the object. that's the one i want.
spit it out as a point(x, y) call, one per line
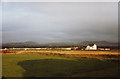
point(94, 47)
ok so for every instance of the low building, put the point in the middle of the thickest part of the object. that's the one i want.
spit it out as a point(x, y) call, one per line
point(107, 48)
point(78, 48)
point(91, 47)
point(103, 48)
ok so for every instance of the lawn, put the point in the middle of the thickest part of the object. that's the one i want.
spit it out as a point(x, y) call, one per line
point(36, 65)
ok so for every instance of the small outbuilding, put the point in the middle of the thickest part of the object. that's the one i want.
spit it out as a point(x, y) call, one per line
point(91, 47)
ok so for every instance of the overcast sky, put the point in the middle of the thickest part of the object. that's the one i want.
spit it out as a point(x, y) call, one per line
point(60, 22)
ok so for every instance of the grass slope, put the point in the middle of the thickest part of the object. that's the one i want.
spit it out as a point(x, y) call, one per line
point(35, 65)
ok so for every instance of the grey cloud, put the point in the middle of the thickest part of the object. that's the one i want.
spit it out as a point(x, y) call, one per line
point(59, 22)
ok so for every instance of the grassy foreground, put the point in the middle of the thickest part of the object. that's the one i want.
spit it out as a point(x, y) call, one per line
point(35, 65)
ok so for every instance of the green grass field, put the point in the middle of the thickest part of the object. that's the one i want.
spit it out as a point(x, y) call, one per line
point(35, 65)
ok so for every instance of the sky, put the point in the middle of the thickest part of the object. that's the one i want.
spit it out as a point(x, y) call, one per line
point(47, 22)
point(0, 24)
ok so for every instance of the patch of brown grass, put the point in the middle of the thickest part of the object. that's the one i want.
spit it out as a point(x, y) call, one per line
point(114, 55)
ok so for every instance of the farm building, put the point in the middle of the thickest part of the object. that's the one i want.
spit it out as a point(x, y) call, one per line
point(103, 48)
point(77, 48)
point(91, 47)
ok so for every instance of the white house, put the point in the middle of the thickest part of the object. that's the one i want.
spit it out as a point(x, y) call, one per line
point(91, 47)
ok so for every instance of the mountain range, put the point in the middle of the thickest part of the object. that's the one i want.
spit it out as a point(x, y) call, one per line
point(34, 44)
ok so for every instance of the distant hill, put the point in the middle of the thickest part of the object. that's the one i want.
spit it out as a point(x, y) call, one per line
point(34, 44)
point(99, 43)
point(20, 44)
point(61, 44)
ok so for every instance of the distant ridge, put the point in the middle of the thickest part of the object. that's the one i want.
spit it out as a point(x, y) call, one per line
point(20, 44)
point(34, 44)
point(99, 43)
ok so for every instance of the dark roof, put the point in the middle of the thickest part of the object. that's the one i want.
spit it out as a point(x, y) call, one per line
point(90, 45)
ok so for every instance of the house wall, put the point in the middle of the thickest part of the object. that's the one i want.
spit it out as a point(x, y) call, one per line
point(94, 47)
